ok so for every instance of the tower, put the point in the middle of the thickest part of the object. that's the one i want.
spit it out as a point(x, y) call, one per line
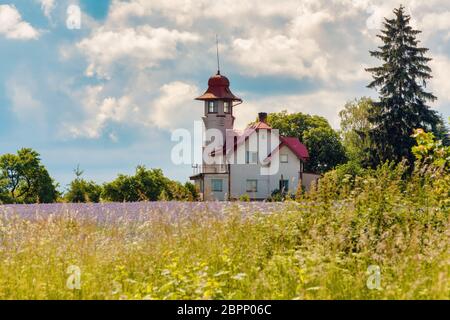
point(219, 102)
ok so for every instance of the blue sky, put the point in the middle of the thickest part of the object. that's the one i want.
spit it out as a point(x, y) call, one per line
point(108, 95)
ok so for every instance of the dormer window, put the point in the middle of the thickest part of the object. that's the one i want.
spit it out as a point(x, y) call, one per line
point(212, 107)
point(226, 107)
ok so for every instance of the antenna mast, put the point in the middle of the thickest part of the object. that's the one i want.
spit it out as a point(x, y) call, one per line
point(218, 60)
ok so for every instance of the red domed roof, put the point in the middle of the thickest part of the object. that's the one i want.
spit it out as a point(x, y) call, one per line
point(218, 88)
point(218, 80)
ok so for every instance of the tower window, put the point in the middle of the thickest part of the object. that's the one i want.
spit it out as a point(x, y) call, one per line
point(226, 107)
point(212, 107)
point(283, 158)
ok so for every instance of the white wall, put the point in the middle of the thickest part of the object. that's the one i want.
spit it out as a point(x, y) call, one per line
point(240, 173)
point(290, 171)
point(210, 195)
point(220, 120)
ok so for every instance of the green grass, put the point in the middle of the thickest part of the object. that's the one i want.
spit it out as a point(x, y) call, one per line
point(319, 248)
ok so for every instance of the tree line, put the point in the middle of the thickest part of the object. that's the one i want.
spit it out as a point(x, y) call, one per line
point(23, 179)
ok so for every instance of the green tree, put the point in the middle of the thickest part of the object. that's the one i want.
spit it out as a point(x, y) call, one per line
point(23, 179)
point(147, 185)
point(122, 189)
point(82, 191)
point(193, 192)
point(442, 132)
point(179, 192)
point(401, 81)
point(299, 192)
point(325, 149)
point(324, 144)
point(430, 150)
point(355, 127)
point(295, 124)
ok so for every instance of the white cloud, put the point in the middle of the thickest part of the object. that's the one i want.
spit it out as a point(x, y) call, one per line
point(436, 22)
point(280, 55)
point(120, 12)
point(142, 47)
point(23, 104)
point(186, 13)
point(325, 42)
point(13, 27)
point(440, 82)
point(98, 111)
point(175, 107)
point(306, 46)
point(326, 103)
point(47, 7)
point(26, 103)
point(262, 38)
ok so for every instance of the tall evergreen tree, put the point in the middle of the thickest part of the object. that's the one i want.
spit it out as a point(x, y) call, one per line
point(401, 81)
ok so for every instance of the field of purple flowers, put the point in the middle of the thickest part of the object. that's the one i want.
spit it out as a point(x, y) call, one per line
point(178, 250)
point(137, 211)
point(383, 234)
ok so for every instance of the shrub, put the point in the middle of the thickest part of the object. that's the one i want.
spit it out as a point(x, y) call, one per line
point(245, 198)
point(147, 185)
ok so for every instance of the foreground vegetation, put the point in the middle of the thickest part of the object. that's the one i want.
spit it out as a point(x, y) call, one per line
point(318, 248)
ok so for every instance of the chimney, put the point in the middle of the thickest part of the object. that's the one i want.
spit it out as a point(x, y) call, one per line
point(262, 117)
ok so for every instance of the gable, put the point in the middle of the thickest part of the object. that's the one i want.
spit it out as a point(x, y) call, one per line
point(242, 141)
point(298, 148)
point(292, 157)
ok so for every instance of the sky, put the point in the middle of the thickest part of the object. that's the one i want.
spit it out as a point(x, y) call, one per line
point(108, 93)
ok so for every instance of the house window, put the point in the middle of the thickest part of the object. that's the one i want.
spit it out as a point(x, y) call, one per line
point(284, 185)
point(283, 158)
point(217, 185)
point(212, 107)
point(252, 185)
point(226, 107)
point(251, 157)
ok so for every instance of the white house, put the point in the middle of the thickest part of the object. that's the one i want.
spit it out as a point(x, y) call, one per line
point(255, 162)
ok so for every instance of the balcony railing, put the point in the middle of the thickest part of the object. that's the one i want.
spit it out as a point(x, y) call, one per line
point(210, 168)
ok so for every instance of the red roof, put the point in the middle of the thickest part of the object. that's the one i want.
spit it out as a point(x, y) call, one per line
point(218, 88)
point(260, 125)
point(298, 148)
point(293, 143)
